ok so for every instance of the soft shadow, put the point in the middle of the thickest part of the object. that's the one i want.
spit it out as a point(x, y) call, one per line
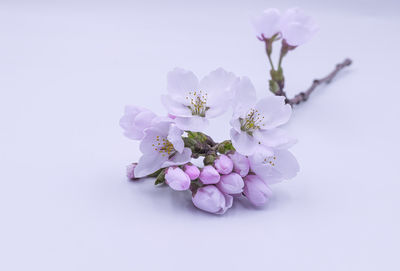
point(163, 198)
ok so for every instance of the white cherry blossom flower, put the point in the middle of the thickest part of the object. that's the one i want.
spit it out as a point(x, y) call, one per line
point(256, 123)
point(268, 23)
point(162, 146)
point(297, 27)
point(192, 101)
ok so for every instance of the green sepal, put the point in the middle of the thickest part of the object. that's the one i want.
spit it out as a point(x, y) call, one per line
point(209, 160)
point(189, 142)
point(273, 86)
point(197, 136)
point(225, 147)
point(277, 75)
point(161, 177)
point(155, 174)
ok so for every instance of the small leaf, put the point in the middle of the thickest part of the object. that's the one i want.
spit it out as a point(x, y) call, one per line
point(161, 177)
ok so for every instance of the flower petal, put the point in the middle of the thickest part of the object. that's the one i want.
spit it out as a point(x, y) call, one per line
point(158, 130)
point(228, 204)
point(175, 137)
point(267, 24)
point(144, 119)
point(244, 94)
point(286, 164)
point(216, 110)
point(180, 81)
point(243, 143)
point(275, 138)
point(235, 123)
point(135, 120)
point(179, 158)
point(297, 27)
point(174, 107)
point(274, 110)
point(218, 85)
point(130, 131)
point(149, 163)
point(194, 123)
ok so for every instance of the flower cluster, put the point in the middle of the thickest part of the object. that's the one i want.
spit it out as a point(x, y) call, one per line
point(255, 157)
point(177, 153)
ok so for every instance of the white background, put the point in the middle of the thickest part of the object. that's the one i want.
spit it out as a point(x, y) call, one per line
point(67, 68)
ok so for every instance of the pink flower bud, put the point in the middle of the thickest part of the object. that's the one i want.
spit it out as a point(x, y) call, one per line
point(177, 179)
point(223, 164)
point(192, 171)
point(256, 190)
point(241, 164)
point(210, 199)
point(231, 183)
point(130, 171)
point(209, 175)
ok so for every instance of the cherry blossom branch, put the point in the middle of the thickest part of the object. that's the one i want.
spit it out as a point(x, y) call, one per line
point(303, 96)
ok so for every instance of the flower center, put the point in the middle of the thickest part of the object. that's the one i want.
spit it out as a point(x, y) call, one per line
point(252, 121)
point(198, 103)
point(163, 146)
point(270, 161)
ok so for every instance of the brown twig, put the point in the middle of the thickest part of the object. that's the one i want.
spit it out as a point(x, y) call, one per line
point(303, 96)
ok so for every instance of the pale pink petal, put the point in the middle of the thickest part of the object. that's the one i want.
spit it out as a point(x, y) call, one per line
point(235, 123)
point(275, 138)
point(179, 158)
point(244, 94)
point(144, 119)
point(194, 123)
point(274, 168)
point(149, 163)
point(274, 110)
point(228, 204)
point(180, 81)
point(268, 23)
point(286, 164)
point(174, 107)
point(175, 137)
point(217, 85)
point(297, 27)
point(243, 142)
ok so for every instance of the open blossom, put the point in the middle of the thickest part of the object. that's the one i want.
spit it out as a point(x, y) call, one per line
point(162, 146)
point(231, 183)
point(297, 27)
point(210, 199)
point(135, 120)
point(256, 123)
point(268, 23)
point(193, 102)
point(256, 191)
point(177, 179)
point(223, 164)
point(241, 163)
point(274, 165)
point(294, 26)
